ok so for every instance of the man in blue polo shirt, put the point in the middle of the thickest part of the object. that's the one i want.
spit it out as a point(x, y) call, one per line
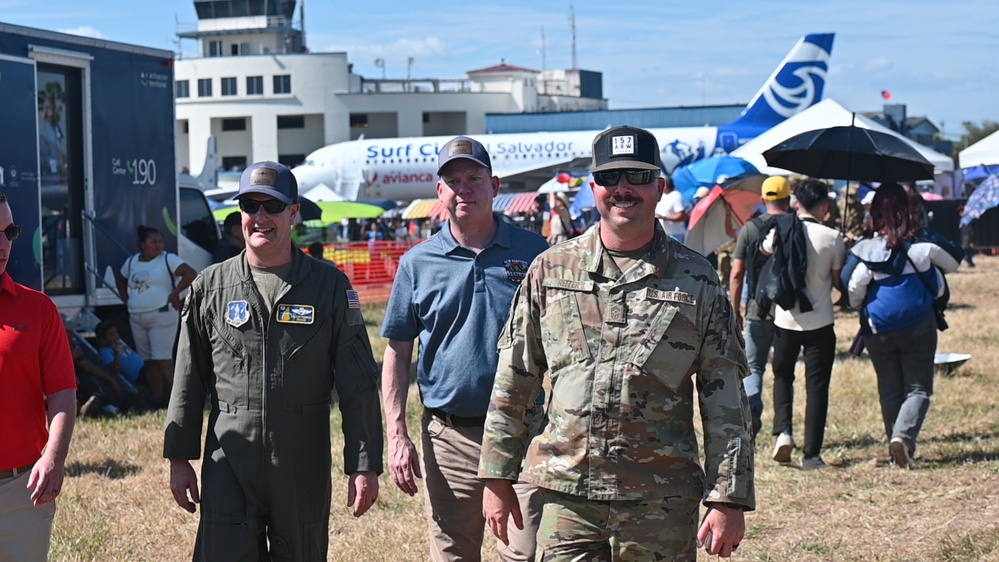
point(453, 293)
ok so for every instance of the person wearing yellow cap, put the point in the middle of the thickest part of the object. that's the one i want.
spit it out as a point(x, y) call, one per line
point(747, 262)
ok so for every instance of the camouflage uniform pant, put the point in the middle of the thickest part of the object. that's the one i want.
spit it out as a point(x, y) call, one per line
point(576, 529)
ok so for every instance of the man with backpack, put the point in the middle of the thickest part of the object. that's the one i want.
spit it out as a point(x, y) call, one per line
point(747, 262)
point(807, 259)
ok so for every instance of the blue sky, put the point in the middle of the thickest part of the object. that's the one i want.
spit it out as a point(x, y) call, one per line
point(941, 59)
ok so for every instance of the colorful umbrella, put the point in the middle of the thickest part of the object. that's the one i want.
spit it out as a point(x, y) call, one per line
point(717, 218)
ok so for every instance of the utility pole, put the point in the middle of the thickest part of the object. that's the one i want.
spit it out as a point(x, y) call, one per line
point(572, 25)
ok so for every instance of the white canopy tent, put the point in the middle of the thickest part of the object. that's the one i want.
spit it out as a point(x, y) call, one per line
point(983, 153)
point(825, 114)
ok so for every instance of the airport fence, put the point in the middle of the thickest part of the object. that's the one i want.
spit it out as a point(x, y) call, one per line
point(370, 266)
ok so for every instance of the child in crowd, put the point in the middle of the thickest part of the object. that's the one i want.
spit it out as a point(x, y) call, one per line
point(99, 390)
point(116, 355)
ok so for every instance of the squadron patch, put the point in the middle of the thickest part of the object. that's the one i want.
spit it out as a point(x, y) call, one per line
point(237, 313)
point(515, 270)
point(671, 296)
point(296, 314)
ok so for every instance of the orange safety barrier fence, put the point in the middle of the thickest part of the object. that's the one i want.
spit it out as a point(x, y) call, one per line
point(370, 266)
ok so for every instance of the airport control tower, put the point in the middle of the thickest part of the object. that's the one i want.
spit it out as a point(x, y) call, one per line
point(247, 27)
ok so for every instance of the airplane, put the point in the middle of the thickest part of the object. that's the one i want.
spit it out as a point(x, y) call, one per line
point(406, 168)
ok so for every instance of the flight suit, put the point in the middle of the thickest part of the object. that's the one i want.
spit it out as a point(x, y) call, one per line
point(268, 378)
point(625, 351)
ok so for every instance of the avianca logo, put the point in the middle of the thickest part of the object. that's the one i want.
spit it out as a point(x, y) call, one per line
point(399, 177)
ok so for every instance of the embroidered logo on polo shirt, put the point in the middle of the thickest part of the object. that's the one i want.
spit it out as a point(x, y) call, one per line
point(515, 270)
point(237, 313)
point(296, 314)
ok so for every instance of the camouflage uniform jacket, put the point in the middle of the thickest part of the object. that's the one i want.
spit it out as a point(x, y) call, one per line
point(621, 349)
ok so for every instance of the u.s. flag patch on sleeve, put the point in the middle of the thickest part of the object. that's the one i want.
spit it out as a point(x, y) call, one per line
point(353, 301)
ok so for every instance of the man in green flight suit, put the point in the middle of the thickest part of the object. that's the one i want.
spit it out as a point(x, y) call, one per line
point(627, 323)
point(265, 339)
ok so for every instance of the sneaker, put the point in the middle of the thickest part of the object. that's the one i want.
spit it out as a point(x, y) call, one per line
point(783, 448)
point(900, 454)
point(813, 463)
point(90, 404)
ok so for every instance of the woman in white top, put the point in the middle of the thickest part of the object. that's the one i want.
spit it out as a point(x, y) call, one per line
point(894, 285)
point(150, 283)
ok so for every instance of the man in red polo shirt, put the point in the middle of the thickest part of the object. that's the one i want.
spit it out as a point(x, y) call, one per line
point(37, 409)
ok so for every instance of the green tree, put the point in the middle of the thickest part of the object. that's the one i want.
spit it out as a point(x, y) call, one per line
point(974, 133)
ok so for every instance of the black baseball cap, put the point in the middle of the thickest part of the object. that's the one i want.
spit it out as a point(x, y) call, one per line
point(269, 178)
point(626, 148)
point(463, 147)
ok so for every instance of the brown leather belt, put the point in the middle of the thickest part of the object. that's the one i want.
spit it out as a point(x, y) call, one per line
point(457, 421)
point(4, 474)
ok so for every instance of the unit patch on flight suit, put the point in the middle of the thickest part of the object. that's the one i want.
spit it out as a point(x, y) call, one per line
point(296, 314)
point(237, 313)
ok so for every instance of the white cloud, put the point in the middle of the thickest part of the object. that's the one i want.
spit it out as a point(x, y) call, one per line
point(84, 31)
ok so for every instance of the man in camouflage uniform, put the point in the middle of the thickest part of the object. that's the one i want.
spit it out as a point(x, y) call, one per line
point(627, 323)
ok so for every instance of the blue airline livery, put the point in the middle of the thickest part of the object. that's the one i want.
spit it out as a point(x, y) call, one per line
point(406, 168)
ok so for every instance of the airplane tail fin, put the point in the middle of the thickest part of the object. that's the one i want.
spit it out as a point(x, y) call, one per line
point(209, 176)
point(796, 85)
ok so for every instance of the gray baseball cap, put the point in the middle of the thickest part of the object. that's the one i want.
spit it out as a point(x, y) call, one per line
point(269, 178)
point(463, 147)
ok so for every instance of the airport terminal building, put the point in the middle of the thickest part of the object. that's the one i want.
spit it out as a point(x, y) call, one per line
point(257, 89)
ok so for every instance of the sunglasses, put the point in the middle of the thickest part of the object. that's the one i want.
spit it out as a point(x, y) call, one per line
point(611, 178)
point(12, 232)
point(272, 206)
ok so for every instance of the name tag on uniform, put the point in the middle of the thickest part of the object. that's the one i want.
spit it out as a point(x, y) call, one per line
point(568, 284)
point(670, 296)
point(237, 313)
point(296, 314)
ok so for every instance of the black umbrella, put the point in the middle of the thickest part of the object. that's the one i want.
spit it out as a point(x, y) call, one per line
point(850, 153)
point(309, 211)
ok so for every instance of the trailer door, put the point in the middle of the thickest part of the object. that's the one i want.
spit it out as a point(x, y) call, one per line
point(19, 165)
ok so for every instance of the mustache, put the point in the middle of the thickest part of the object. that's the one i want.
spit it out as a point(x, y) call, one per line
point(625, 198)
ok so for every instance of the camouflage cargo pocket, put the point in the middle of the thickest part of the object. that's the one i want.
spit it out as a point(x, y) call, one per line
point(562, 333)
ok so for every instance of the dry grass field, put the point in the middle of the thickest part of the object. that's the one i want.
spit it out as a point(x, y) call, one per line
point(116, 505)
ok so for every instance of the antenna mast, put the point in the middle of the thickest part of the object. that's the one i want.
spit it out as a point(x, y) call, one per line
point(572, 24)
point(301, 17)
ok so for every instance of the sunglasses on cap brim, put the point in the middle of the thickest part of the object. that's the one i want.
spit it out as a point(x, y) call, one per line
point(610, 178)
point(12, 232)
point(272, 206)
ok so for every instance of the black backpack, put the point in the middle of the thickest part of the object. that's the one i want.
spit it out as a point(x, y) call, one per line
point(756, 260)
point(782, 279)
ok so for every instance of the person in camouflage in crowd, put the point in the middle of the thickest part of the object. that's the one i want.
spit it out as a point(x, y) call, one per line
point(626, 323)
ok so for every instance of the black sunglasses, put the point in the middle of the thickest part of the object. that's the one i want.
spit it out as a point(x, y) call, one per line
point(12, 232)
point(611, 178)
point(272, 206)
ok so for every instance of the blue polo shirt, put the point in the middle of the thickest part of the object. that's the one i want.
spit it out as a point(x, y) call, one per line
point(456, 303)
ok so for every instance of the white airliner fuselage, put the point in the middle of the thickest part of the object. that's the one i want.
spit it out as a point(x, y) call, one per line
point(406, 168)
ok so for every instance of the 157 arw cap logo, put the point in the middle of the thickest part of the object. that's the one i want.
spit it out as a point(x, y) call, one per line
point(626, 148)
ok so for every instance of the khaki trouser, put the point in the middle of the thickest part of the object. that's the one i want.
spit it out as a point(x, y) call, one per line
point(454, 497)
point(25, 530)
